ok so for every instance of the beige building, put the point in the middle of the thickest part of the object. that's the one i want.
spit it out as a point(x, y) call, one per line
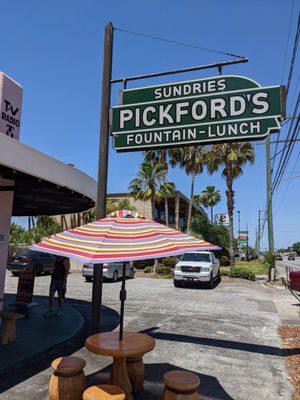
point(178, 211)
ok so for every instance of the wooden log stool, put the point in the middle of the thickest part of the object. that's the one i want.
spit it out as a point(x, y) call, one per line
point(180, 385)
point(104, 392)
point(8, 326)
point(68, 380)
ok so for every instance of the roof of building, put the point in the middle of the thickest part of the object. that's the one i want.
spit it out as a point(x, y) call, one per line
point(43, 185)
point(127, 194)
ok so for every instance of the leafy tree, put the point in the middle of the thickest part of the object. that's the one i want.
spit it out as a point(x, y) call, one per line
point(17, 234)
point(160, 158)
point(47, 224)
point(111, 205)
point(118, 204)
point(209, 197)
point(270, 260)
point(280, 251)
point(192, 160)
point(296, 247)
point(232, 157)
point(235, 245)
point(148, 184)
point(213, 233)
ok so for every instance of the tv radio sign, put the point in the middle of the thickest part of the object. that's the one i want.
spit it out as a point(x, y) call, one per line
point(222, 219)
point(11, 94)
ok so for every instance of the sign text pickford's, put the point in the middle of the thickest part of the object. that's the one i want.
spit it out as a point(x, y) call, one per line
point(219, 109)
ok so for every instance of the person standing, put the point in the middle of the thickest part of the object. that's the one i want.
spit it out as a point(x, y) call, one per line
point(58, 284)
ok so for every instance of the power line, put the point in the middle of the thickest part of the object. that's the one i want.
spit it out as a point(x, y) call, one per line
point(289, 181)
point(293, 56)
point(176, 42)
point(290, 177)
point(283, 71)
point(286, 154)
point(288, 39)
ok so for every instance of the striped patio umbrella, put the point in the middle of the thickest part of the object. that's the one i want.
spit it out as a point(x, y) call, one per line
point(128, 237)
point(122, 236)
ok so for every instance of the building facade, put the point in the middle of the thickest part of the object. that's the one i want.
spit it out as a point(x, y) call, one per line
point(178, 211)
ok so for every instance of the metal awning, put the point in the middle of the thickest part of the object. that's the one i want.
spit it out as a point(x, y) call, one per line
point(43, 185)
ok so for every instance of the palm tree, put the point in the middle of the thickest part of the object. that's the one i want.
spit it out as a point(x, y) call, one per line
point(192, 160)
point(232, 157)
point(159, 157)
point(209, 197)
point(148, 184)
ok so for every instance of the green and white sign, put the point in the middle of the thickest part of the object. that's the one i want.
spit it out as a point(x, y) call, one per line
point(206, 111)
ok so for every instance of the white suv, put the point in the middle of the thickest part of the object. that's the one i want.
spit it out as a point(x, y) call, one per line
point(197, 266)
point(112, 271)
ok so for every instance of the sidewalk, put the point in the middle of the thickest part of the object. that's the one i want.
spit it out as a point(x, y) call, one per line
point(36, 334)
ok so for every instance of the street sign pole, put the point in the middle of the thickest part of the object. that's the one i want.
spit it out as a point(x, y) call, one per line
point(102, 169)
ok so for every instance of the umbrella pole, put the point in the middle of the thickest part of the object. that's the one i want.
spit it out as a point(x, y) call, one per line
point(97, 298)
point(122, 299)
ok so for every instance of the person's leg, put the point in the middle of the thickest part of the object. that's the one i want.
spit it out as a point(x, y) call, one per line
point(60, 294)
point(49, 312)
point(51, 297)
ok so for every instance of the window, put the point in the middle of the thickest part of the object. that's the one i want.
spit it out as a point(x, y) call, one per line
point(198, 257)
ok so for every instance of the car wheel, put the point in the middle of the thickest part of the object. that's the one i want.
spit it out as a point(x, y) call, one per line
point(211, 281)
point(177, 283)
point(88, 279)
point(38, 269)
point(115, 276)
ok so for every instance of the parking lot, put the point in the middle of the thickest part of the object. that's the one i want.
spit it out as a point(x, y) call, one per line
point(227, 335)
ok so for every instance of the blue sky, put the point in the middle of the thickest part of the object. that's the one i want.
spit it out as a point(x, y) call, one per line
point(54, 50)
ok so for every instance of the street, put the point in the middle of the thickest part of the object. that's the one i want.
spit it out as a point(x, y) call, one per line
point(227, 335)
point(281, 266)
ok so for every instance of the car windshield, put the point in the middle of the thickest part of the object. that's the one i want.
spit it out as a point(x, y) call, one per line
point(204, 257)
point(25, 254)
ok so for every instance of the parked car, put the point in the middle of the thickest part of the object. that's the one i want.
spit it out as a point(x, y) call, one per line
point(291, 257)
point(197, 266)
point(279, 257)
point(112, 271)
point(32, 261)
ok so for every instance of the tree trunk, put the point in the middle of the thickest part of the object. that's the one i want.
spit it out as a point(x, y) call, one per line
point(211, 215)
point(153, 218)
point(230, 207)
point(153, 206)
point(191, 204)
point(166, 210)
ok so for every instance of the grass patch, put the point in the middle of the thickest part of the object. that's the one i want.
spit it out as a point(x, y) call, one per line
point(245, 270)
point(254, 266)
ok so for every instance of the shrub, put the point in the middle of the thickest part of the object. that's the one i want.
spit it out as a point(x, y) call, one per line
point(170, 262)
point(238, 273)
point(224, 261)
point(242, 273)
point(142, 264)
point(147, 270)
point(163, 270)
point(225, 271)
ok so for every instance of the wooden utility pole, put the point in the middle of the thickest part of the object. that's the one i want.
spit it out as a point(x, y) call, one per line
point(269, 209)
point(102, 169)
point(258, 234)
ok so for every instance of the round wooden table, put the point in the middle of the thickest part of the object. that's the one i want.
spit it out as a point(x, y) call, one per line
point(128, 366)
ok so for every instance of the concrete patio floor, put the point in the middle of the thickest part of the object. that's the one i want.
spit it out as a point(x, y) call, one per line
point(228, 336)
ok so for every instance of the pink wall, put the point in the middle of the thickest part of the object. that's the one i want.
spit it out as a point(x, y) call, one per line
point(6, 202)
